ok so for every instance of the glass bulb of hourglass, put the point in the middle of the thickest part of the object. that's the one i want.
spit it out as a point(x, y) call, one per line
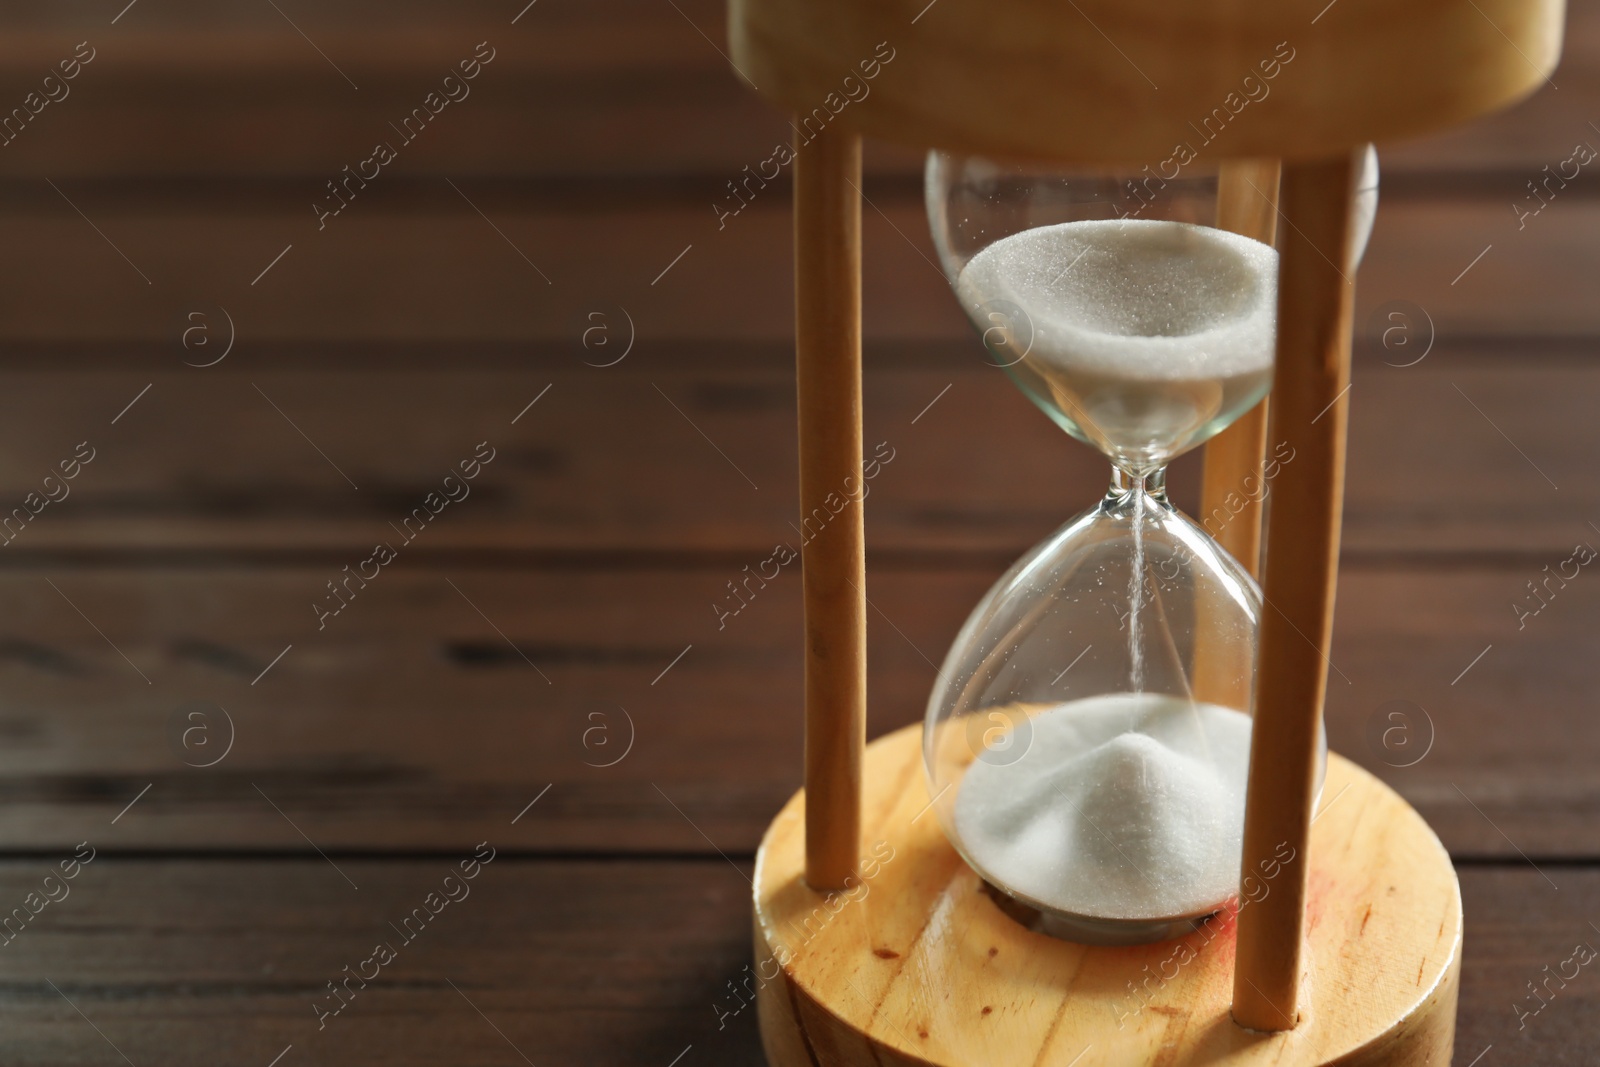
point(1144, 337)
point(1087, 740)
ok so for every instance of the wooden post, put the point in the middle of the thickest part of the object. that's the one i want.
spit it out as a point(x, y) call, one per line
point(1247, 204)
point(1309, 403)
point(827, 241)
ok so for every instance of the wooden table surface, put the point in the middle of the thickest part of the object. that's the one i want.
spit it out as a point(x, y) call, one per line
point(539, 286)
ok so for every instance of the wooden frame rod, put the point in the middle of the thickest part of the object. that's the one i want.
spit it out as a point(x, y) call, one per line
point(1232, 488)
point(1309, 411)
point(1247, 204)
point(827, 241)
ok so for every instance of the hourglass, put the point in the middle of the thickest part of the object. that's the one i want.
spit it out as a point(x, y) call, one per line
point(1104, 846)
point(1088, 735)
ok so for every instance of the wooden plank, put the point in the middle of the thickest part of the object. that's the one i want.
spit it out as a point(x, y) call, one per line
point(614, 86)
point(623, 459)
point(418, 263)
point(188, 962)
point(1494, 694)
point(411, 716)
point(1448, 457)
point(1476, 267)
point(574, 87)
point(1517, 925)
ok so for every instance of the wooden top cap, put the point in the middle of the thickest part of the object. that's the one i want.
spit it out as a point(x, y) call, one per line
point(1129, 81)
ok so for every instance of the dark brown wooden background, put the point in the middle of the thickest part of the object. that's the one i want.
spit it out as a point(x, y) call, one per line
point(526, 635)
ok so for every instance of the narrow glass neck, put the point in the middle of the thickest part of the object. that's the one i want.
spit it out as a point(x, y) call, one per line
point(1153, 482)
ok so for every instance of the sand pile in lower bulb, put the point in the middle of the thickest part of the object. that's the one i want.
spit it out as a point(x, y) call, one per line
point(1125, 806)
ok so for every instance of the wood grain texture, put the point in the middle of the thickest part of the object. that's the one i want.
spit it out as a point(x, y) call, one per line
point(421, 266)
point(583, 87)
point(1247, 204)
point(917, 964)
point(1232, 481)
point(194, 961)
point(357, 733)
point(1299, 578)
point(610, 461)
point(200, 962)
point(600, 142)
point(575, 89)
point(833, 491)
point(1026, 79)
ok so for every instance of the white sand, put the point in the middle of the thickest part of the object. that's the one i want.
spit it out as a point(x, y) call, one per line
point(1125, 806)
point(1139, 299)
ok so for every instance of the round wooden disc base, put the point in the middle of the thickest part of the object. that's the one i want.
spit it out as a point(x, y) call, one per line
point(915, 963)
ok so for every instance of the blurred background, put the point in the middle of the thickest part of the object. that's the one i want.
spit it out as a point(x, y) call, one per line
point(260, 345)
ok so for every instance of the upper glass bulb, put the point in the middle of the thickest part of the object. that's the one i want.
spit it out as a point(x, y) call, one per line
point(1112, 299)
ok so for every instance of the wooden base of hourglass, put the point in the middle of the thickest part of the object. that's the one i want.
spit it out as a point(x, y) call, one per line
point(916, 963)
